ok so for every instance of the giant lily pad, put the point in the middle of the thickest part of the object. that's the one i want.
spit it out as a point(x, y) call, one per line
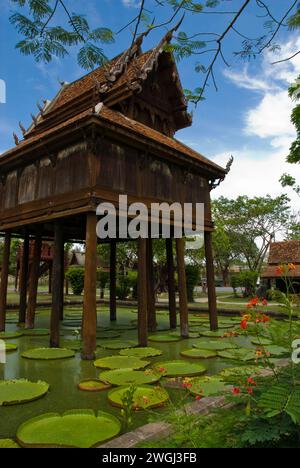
point(47, 354)
point(129, 376)
point(36, 332)
point(207, 386)
point(141, 352)
point(121, 362)
point(216, 345)
point(74, 345)
point(72, 323)
point(93, 385)
point(192, 334)
point(261, 341)
point(164, 338)
point(10, 347)
point(238, 354)
point(74, 429)
point(239, 372)
point(8, 444)
point(213, 334)
point(275, 350)
point(179, 368)
point(117, 344)
point(9, 335)
point(195, 353)
point(108, 335)
point(15, 392)
point(145, 397)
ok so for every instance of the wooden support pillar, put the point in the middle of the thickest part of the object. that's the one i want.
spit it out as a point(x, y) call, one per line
point(89, 328)
point(50, 278)
point(182, 289)
point(113, 279)
point(24, 280)
point(34, 282)
point(171, 284)
point(211, 288)
point(57, 285)
point(142, 293)
point(152, 324)
point(17, 277)
point(62, 279)
point(4, 280)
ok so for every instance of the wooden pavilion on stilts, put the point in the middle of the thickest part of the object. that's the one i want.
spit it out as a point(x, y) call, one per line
point(108, 133)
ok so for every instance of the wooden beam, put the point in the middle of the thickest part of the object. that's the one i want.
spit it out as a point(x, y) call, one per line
point(50, 278)
point(211, 288)
point(171, 284)
point(90, 285)
point(57, 286)
point(142, 293)
point(152, 324)
point(33, 282)
point(183, 300)
point(24, 280)
point(4, 280)
point(62, 279)
point(113, 279)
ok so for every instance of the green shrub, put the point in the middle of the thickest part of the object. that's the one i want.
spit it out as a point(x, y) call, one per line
point(103, 279)
point(123, 287)
point(132, 278)
point(246, 280)
point(192, 278)
point(76, 277)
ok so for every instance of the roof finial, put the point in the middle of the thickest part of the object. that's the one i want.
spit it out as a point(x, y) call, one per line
point(16, 138)
point(23, 129)
point(35, 121)
point(40, 108)
point(229, 164)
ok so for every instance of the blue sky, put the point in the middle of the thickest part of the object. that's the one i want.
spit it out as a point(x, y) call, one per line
point(249, 117)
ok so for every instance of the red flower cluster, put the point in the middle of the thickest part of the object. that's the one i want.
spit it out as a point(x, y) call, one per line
point(247, 387)
point(284, 269)
point(257, 317)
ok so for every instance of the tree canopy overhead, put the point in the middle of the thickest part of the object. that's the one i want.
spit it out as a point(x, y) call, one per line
point(43, 35)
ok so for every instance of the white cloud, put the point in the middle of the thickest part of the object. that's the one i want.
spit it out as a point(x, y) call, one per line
point(131, 3)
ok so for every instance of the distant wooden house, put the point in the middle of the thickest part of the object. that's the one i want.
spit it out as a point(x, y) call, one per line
point(283, 253)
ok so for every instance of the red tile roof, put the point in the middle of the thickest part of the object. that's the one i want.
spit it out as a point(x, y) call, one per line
point(284, 252)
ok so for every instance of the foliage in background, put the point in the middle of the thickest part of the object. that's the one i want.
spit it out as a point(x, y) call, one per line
point(76, 277)
point(192, 280)
point(245, 280)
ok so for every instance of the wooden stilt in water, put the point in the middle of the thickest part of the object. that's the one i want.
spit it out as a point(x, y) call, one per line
point(171, 284)
point(33, 282)
point(152, 324)
point(142, 293)
point(89, 327)
point(24, 280)
point(211, 288)
point(57, 285)
point(113, 279)
point(62, 288)
point(182, 289)
point(4, 280)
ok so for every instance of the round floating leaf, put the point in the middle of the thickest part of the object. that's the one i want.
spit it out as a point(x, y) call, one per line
point(10, 347)
point(195, 353)
point(207, 386)
point(8, 335)
point(78, 429)
point(74, 345)
point(36, 332)
point(179, 368)
point(121, 362)
point(72, 324)
point(121, 327)
point(8, 444)
point(239, 372)
point(48, 353)
point(141, 352)
point(213, 334)
point(216, 345)
point(226, 325)
point(164, 338)
point(238, 354)
point(15, 392)
point(129, 376)
point(261, 341)
point(145, 397)
point(276, 350)
point(117, 344)
point(93, 385)
point(108, 335)
point(192, 334)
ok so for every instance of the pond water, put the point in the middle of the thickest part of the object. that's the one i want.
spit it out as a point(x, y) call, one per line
point(64, 375)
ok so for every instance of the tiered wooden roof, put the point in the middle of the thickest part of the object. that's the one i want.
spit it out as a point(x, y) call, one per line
point(93, 99)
